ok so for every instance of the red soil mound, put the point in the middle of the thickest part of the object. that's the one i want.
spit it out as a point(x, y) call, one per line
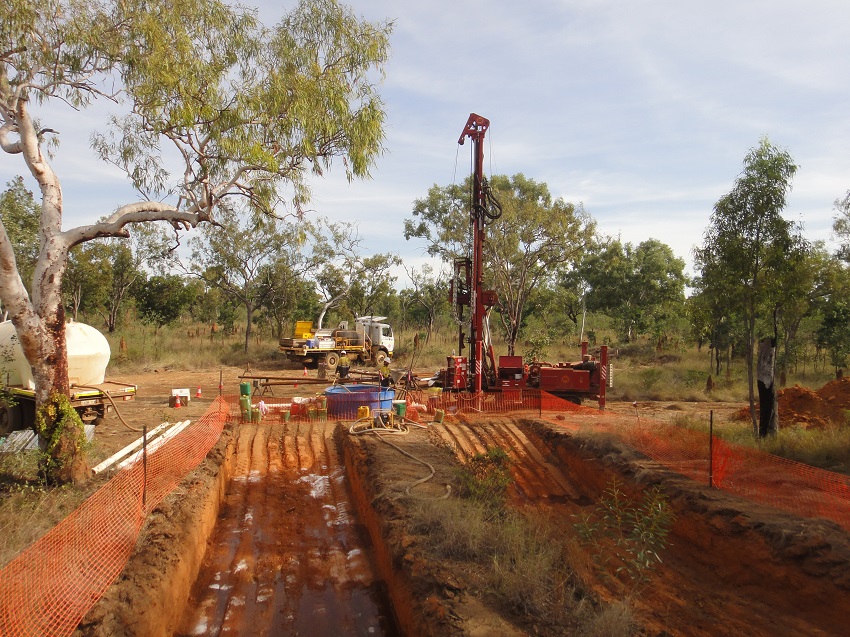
point(819, 409)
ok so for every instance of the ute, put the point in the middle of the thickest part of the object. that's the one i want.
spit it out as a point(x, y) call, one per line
point(368, 342)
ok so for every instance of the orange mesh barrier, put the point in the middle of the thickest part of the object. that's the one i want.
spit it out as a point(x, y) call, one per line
point(49, 587)
point(761, 477)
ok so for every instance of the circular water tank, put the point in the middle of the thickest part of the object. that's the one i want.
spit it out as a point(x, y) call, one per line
point(88, 356)
point(343, 400)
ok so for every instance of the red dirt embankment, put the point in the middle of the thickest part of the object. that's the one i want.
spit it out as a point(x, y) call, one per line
point(803, 407)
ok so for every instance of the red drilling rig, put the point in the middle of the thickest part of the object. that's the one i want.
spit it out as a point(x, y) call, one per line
point(478, 371)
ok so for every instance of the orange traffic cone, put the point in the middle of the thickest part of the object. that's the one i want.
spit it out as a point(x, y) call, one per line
point(177, 403)
point(198, 393)
point(305, 371)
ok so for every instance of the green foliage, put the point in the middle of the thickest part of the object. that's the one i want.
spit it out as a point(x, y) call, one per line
point(276, 104)
point(486, 477)
point(253, 262)
point(19, 214)
point(60, 428)
point(650, 377)
point(538, 344)
point(834, 332)
point(628, 533)
point(749, 249)
point(519, 560)
point(642, 287)
point(161, 300)
point(841, 226)
point(534, 238)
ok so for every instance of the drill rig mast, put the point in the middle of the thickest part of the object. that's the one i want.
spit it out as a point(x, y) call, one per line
point(478, 371)
point(468, 284)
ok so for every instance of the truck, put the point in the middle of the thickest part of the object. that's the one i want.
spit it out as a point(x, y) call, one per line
point(91, 395)
point(478, 371)
point(368, 343)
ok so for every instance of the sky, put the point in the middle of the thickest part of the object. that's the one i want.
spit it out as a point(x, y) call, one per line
point(643, 111)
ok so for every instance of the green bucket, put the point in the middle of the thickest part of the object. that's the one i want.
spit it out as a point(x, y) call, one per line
point(245, 388)
point(400, 408)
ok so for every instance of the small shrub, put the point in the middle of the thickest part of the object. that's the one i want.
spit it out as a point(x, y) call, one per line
point(454, 528)
point(486, 476)
point(629, 533)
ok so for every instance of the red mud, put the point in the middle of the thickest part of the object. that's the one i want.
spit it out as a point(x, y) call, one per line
point(288, 555)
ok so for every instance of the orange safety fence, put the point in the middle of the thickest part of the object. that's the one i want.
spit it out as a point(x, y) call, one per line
point(48, 588)
point(761, 477)
point(750, 473)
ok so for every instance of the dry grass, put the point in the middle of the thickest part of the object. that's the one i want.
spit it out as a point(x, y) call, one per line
point(521, 560)
point(185, 347)
point(823, 448)
point(28, 508)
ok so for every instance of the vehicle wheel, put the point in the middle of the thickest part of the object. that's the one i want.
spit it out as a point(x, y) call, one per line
point(331, 361)
point(380, 357)
point(7, 424)
point(97, 421)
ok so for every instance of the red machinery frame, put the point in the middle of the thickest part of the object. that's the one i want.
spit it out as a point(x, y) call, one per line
point(585, 378)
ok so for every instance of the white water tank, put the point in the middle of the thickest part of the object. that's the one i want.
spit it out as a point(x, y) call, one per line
point(88, 356)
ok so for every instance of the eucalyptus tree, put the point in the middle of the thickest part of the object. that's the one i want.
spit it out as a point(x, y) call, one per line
point(101, 273)
point(211, 105)
point(810, 276)
point(348, 280)
point(745, 248)
point(841, 226)
point(253, 258)
point(535, 235)
point(429, 294)
point(642, 287)
point(86, 281)
point(374, 284)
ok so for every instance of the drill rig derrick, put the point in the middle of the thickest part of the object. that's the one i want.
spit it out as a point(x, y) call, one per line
point(478, 371)
point(468, 282)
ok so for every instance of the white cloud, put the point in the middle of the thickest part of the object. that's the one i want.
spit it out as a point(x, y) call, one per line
point(643, 110)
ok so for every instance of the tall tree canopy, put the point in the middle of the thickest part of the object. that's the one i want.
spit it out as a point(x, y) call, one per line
point(252, 258)
point(214, 105)
point(642, 287)
point(535, 236)
point(743, 256)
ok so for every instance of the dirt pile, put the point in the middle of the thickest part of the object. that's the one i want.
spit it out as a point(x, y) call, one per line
point(821, 409)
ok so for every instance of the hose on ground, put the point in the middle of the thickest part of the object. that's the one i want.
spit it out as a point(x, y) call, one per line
point(378, 430)
point(114, 406)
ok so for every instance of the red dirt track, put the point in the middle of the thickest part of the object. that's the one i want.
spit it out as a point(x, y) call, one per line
point(287, 555)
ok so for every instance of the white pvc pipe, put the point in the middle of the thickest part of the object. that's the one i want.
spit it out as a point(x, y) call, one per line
point(156, 444)
point(131, 447)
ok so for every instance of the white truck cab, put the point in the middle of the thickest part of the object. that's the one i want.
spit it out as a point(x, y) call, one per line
point(381, 334)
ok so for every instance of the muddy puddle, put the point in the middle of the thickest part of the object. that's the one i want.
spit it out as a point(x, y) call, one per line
point(288, 555)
